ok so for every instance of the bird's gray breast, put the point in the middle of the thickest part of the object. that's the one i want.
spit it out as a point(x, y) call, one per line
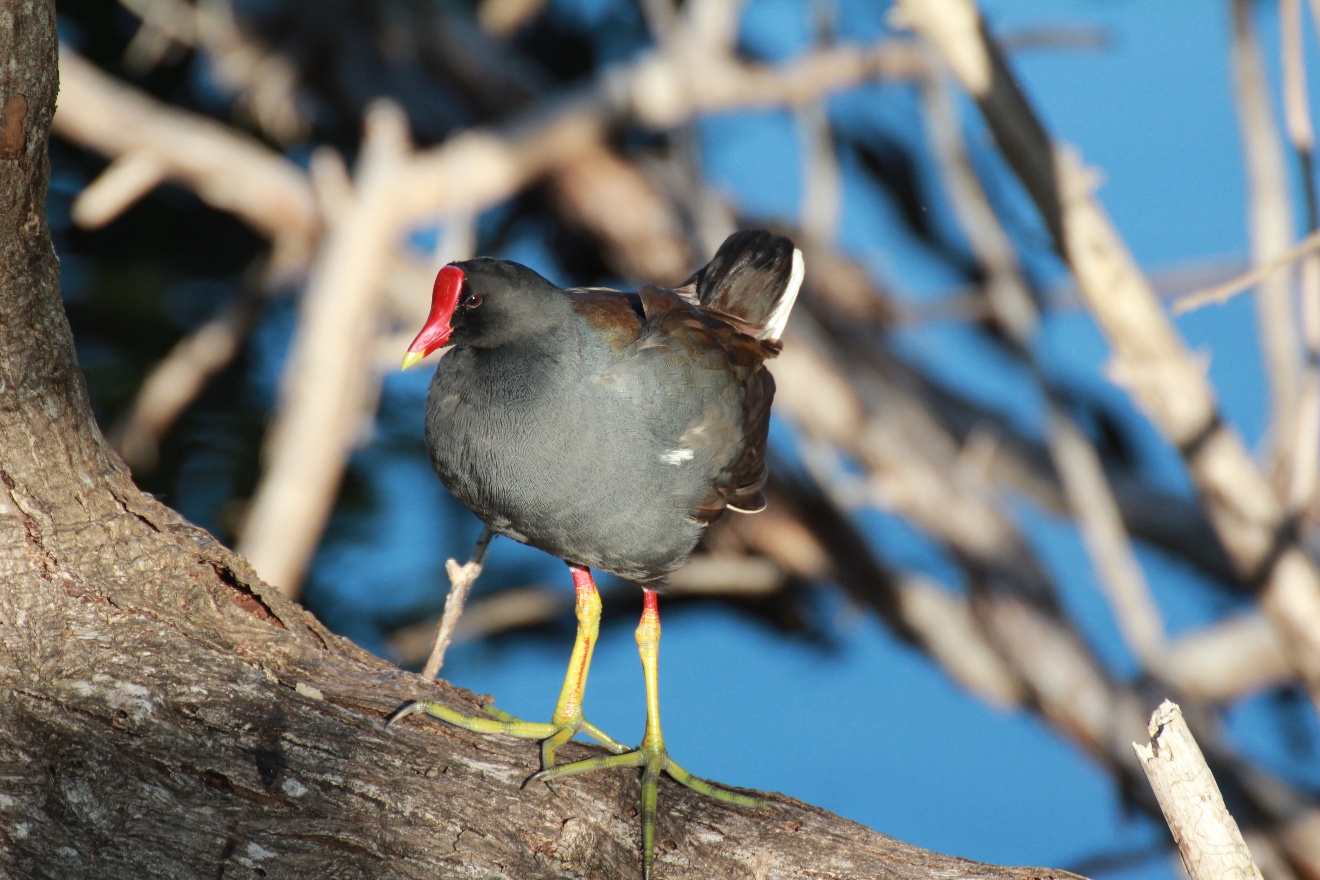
point(562, 453)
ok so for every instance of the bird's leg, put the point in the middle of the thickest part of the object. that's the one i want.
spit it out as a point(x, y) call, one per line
point(568, 719)
point(650, 755)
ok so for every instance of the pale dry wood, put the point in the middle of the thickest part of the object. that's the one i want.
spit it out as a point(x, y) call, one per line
point(822, 188)
point(1150, 359)
point(503, 17)
point(1270, 226)
point(264, 82)
point(1226, 290)
point(148, 143)
point(1296, 104)
point(166, 25)
point(1227, 660)
point(227, 170)
point(480, 167)
point(177, 379)
point(1085, 485)
point(632, 222)
point(125, 180)
point(1301, 452)
point(326, 387)
point(1304, 453)
point(461, 579)
point(1208, 839)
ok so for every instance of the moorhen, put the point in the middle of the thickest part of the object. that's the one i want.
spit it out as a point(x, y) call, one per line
point(608, 429)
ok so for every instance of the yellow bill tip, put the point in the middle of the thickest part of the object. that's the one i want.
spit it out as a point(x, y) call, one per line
point(412, 359)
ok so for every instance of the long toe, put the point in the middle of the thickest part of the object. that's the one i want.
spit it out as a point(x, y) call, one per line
point(552, 734)
point(654, 761)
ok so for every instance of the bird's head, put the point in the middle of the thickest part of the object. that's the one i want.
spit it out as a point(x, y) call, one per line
point(484, 303)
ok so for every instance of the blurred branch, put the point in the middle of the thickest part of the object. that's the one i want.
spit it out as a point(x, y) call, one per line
point(502, 17)
point(918, 475)
point(1149, 357)
point(1227, 661)
point(328, 379)
point(1270, 227)
point(178, 378)
point(264, 82)
point(1077, 38)
point(938, 415)
point(1085, 485)
point(1296, 104)
point(478, 168)
point(1221, 293)
point(809, 535)
point(1301, 452)
point(150, 141)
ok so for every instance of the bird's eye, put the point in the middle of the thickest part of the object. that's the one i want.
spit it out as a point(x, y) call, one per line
point(472, 300)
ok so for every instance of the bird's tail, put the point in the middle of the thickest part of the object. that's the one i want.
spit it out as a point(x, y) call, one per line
point(754, 277)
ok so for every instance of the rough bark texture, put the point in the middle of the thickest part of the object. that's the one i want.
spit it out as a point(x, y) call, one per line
point(163, 713)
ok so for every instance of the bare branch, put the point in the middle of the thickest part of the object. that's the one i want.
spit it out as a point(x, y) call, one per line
point(176, 381)
point(1226, 661)
point(1211, 845)
point(232, 173)
point(1301, 453)
point(1270, 224)
point(461, 579)
point(1149, 357)
point(1221, 293)
point(328, 383)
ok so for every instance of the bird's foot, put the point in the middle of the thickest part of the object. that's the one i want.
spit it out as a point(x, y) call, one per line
point(552, 734)
point(654, 760)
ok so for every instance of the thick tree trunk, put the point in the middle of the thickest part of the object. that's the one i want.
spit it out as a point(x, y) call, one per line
point(163, 713)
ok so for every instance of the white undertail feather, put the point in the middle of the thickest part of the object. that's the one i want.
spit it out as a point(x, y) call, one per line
point(774, 327)
point(677, 456)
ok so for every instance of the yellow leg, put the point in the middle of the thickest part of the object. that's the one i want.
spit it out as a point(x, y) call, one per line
point(650, 755)
point(567, 720)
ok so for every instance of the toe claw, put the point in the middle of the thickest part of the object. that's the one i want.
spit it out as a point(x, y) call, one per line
point(412, 707)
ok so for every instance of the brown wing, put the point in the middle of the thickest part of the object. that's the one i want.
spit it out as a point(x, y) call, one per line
point(739, 475)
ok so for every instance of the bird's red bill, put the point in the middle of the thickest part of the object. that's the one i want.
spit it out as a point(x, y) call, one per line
point(436, 331)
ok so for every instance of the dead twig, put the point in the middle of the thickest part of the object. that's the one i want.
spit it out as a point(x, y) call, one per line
point(1225, 291)
point(461, 579)
point(150, 142)
point(177, 380)
point(1208, 839)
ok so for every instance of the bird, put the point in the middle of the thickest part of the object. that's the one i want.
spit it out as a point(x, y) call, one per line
point(609, 429)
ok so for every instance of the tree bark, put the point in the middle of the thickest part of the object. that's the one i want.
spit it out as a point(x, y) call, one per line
point(164, 713)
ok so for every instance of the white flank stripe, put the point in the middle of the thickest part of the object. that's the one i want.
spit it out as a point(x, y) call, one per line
point(774, 328)
point(676, 456)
